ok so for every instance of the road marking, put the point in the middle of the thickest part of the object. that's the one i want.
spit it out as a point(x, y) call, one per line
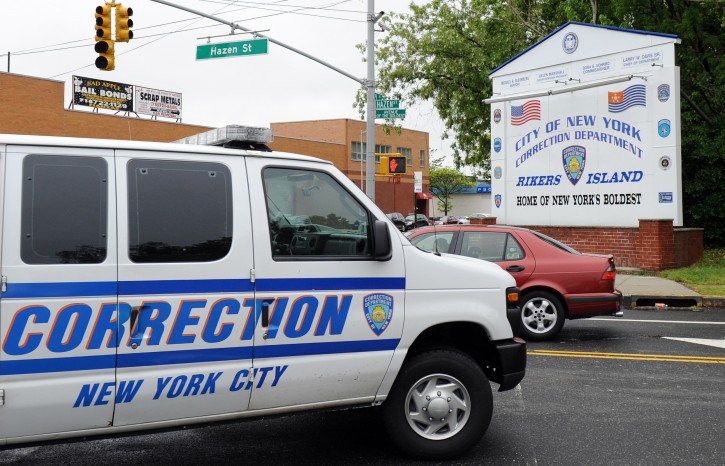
point(619, 319)
point(700, 341)
point(628, 356)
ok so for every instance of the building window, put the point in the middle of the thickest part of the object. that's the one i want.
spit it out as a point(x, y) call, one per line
point(422, 158)
point(408, 154)
point(179, 211)
point(358, 150)
point(64, 210)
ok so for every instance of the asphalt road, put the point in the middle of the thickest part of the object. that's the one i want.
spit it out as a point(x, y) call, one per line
point(647, 389)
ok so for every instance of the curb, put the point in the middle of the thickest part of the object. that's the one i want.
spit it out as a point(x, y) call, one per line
point(672, 302)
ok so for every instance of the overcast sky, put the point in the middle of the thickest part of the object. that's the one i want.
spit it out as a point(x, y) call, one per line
point(54, 39)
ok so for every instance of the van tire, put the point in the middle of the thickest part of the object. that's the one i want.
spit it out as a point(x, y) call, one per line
point(440, 405)
point(542, 316)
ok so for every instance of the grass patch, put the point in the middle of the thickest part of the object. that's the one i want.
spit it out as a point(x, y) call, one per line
point(706, 277)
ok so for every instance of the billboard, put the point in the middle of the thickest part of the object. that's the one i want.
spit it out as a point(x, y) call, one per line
point(109, 95)
point(157, 103)
point(98, 93)
point(590, 139)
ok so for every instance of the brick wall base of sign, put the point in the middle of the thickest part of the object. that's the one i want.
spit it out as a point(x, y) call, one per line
point(655, 245)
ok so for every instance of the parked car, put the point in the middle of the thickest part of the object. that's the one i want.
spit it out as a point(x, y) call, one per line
point(397, 219)
point(412, 221)
point(556, 281)
point(464, 220)
point(446, 220)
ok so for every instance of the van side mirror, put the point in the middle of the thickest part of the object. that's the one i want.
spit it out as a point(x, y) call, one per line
point(382, 246)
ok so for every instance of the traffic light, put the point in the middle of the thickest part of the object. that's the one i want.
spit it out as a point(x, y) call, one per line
point(123, 23)
point(104, 44)
point(106, 57)
point(392, 164)
point(103, 22)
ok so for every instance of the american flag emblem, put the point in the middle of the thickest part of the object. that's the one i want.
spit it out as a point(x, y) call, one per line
point(630, 97)
point(521, 114)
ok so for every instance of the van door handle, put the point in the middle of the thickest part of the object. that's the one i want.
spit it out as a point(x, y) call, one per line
point(135, 310)
point(515, 268)
point(265, 318)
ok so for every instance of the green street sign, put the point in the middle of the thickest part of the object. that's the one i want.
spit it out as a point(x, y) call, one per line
point(378, 96)
point(387, 104)
point(232, 49)
point(390, 113)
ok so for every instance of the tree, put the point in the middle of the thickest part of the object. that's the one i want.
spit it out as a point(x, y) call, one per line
point(443, 50)
point(444, 183)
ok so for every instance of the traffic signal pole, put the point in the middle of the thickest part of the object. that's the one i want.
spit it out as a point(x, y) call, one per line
point(369, 83)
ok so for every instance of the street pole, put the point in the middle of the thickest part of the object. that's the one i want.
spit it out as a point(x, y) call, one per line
point(370, 150)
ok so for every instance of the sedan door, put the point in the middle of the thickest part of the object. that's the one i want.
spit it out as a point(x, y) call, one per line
point(500, 247)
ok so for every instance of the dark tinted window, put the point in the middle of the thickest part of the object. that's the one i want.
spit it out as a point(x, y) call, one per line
point(64, 210)
point(179, 211)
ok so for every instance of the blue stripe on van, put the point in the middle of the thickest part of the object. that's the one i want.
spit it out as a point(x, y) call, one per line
point(162, 358)
point(159, 287)
point(330, 284)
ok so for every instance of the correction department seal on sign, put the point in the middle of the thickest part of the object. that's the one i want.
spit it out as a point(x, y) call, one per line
point(378, 311)
point(570, 43)
point(574, 158)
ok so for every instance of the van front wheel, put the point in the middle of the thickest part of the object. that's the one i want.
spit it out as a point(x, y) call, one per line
point(440, 406)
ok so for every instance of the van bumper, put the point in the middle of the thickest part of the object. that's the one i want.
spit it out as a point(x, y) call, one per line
point(511, 363)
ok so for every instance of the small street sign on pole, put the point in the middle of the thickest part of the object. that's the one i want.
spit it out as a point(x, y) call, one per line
point(232, 49)
point(379, 104)
point(389, 113)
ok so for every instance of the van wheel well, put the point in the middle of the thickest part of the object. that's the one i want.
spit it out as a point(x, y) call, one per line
point(466, 337)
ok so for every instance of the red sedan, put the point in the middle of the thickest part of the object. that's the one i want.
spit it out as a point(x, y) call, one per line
point(556, 282)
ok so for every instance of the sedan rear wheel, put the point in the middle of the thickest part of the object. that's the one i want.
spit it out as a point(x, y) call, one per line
point(542, 316)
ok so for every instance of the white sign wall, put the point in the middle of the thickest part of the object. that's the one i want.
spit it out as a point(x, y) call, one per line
point(591, 139)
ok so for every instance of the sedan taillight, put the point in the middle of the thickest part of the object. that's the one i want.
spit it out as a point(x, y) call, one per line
point(611, 272)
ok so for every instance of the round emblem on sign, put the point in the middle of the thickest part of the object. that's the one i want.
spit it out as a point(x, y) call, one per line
point(570, 42)
point(497, 145)
point(497, 115)
point(663, 128)
point(665, 163)
point(497, 173)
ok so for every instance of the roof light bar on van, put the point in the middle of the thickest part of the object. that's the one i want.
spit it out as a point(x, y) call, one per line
point(229, 135)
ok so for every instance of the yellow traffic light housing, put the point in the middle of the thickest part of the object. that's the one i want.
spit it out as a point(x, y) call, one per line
point(104, 44)
point(123, 23)
point(106, 55)
point(103, 22)
point(392, 164)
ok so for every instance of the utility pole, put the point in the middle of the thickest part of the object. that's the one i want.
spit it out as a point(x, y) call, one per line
point(369, 83)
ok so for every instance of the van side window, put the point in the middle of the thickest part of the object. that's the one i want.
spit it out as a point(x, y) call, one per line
point(312, 215)
point(64, 210)
point(179, 211)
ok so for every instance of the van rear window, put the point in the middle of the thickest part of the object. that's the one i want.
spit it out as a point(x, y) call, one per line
point(64, 210)
point(179, 211)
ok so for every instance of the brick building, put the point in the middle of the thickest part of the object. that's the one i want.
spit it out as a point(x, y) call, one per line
point(36, 106)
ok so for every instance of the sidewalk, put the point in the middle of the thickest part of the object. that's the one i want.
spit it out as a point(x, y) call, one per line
point(640, 291)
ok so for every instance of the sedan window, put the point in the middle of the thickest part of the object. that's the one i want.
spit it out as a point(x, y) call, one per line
point(434, 242)
point(491, 246)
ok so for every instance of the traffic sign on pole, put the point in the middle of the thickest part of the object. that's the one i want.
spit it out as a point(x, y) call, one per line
point(390, 113)
point(232, 49)
point(387, 104)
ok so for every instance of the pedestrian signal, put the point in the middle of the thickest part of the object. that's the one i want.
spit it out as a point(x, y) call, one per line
point(392, 164)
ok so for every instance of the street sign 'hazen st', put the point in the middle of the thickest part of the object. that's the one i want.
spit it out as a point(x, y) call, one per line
point(232, 49)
